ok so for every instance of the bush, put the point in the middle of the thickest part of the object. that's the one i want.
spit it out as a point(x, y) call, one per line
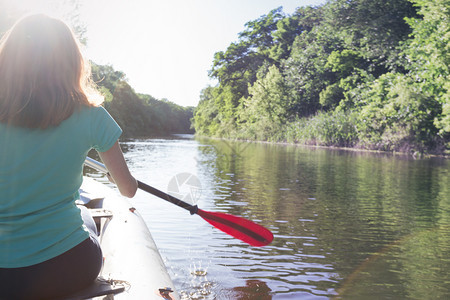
point(398, 115)
point(337, 128)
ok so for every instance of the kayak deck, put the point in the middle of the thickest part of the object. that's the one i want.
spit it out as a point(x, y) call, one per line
point(133, 267)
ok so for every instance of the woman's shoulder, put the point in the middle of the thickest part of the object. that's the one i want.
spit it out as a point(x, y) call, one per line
point(90, 111)
point(82, 117)
point(95, 116)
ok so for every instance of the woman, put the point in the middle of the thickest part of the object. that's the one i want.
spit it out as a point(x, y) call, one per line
point(49, 119)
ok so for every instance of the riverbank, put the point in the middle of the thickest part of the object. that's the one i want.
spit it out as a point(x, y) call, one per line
point(357, 148)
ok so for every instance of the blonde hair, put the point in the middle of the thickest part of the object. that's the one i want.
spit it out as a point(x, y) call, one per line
point(43, 75)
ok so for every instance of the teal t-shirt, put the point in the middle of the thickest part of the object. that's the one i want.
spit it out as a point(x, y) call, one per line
point(40, 174)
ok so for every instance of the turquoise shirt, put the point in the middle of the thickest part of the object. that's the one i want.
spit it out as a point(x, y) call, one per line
point(40, 174)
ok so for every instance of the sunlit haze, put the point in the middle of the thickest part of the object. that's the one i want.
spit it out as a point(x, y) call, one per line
point(165, 47)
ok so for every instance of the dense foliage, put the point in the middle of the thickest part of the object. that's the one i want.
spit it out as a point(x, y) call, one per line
point(361, 73)
point(139, 114)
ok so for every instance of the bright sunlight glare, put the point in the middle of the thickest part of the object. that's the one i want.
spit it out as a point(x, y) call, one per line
point(165, 47)
point(54, 8)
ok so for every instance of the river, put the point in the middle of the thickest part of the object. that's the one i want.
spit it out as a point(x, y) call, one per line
point(347, 224)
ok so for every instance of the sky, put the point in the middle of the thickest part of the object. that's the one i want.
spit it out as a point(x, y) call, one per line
point(165, 47)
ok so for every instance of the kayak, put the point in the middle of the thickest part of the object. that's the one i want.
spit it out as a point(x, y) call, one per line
point(133, 267)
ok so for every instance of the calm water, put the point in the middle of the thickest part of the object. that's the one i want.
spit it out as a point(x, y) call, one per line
point(347, 225)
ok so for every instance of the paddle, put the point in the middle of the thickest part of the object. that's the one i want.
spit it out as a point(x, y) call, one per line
point(240, 228)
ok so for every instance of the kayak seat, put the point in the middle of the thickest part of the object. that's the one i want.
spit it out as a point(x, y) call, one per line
point(100, 215)
point(97, 213)
point(100, 287)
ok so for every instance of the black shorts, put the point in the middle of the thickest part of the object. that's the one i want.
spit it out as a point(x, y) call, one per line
point(56, 277)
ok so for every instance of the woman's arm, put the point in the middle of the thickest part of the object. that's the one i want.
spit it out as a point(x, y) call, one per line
point(118, 169)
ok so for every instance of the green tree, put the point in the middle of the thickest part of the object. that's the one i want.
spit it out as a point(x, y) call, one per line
point(348, 65)
point(129, 111)
point(259, 33)
point(205, 115)
point(106, 76)
point(143, 115)
point(428, 55)
point(305, 71)
point(237, 67)
point(368, 34)
point(411, 110)
point(265, 112)
point(288, 28)
point(374, 28)
point(399, 116)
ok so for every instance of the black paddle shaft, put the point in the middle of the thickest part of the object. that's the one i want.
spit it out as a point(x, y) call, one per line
point(245, 230)
point(193, 209)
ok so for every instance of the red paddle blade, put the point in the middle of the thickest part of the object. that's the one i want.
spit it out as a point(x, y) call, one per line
point(240, 228)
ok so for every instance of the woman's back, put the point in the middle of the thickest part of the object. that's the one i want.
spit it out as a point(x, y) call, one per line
point(40, 173)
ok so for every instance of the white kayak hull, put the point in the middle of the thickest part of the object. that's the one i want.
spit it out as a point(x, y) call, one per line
point(129, 251)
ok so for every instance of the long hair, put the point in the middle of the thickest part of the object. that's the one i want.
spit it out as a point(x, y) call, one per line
point(43, 75)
